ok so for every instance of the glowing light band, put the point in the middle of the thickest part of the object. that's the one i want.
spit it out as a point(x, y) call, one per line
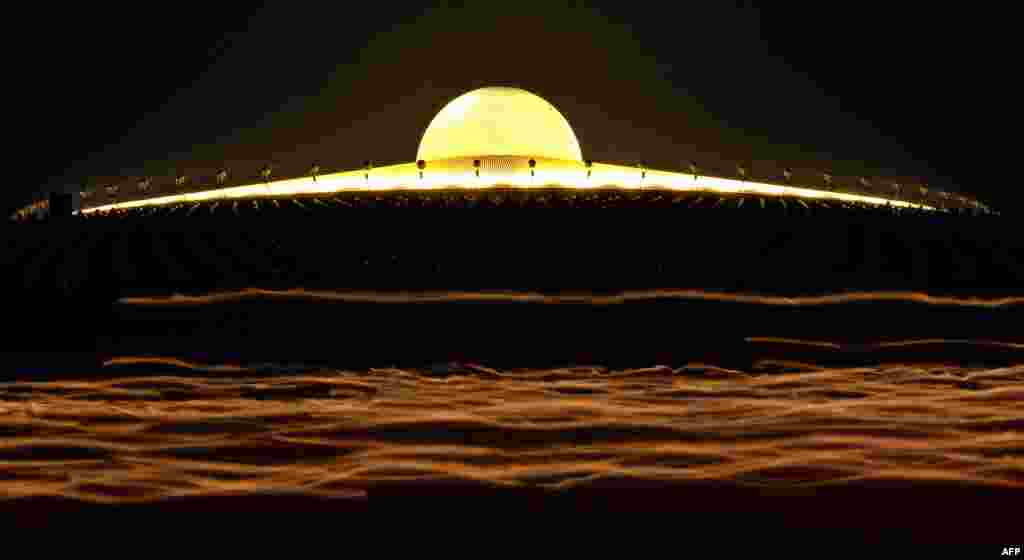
point(461, 174)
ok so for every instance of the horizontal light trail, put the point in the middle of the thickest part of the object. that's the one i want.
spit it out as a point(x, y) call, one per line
point(573, 299)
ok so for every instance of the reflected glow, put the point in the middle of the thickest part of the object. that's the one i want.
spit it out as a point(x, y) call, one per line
point(870, 428)
point(501, 171)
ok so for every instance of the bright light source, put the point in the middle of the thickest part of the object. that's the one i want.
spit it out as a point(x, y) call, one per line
point(499, 136)
point(499, 121)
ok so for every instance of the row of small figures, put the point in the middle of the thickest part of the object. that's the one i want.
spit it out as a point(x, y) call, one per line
point(145, 184)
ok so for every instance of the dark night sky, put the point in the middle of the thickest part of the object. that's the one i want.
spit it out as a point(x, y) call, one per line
point(856, 90)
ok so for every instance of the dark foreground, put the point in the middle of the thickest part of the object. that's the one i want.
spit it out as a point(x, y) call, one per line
point(730, 417)
point(880, 516)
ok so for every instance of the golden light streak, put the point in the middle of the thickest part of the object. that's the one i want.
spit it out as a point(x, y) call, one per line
point(502, 171)
point(890, 344)
point(573, 299)
point(165, 361)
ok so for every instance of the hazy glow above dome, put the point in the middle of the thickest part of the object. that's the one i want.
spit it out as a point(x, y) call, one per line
point(497, 121)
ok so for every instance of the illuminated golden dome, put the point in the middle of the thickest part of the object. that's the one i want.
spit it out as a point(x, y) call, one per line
point(499, 121)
